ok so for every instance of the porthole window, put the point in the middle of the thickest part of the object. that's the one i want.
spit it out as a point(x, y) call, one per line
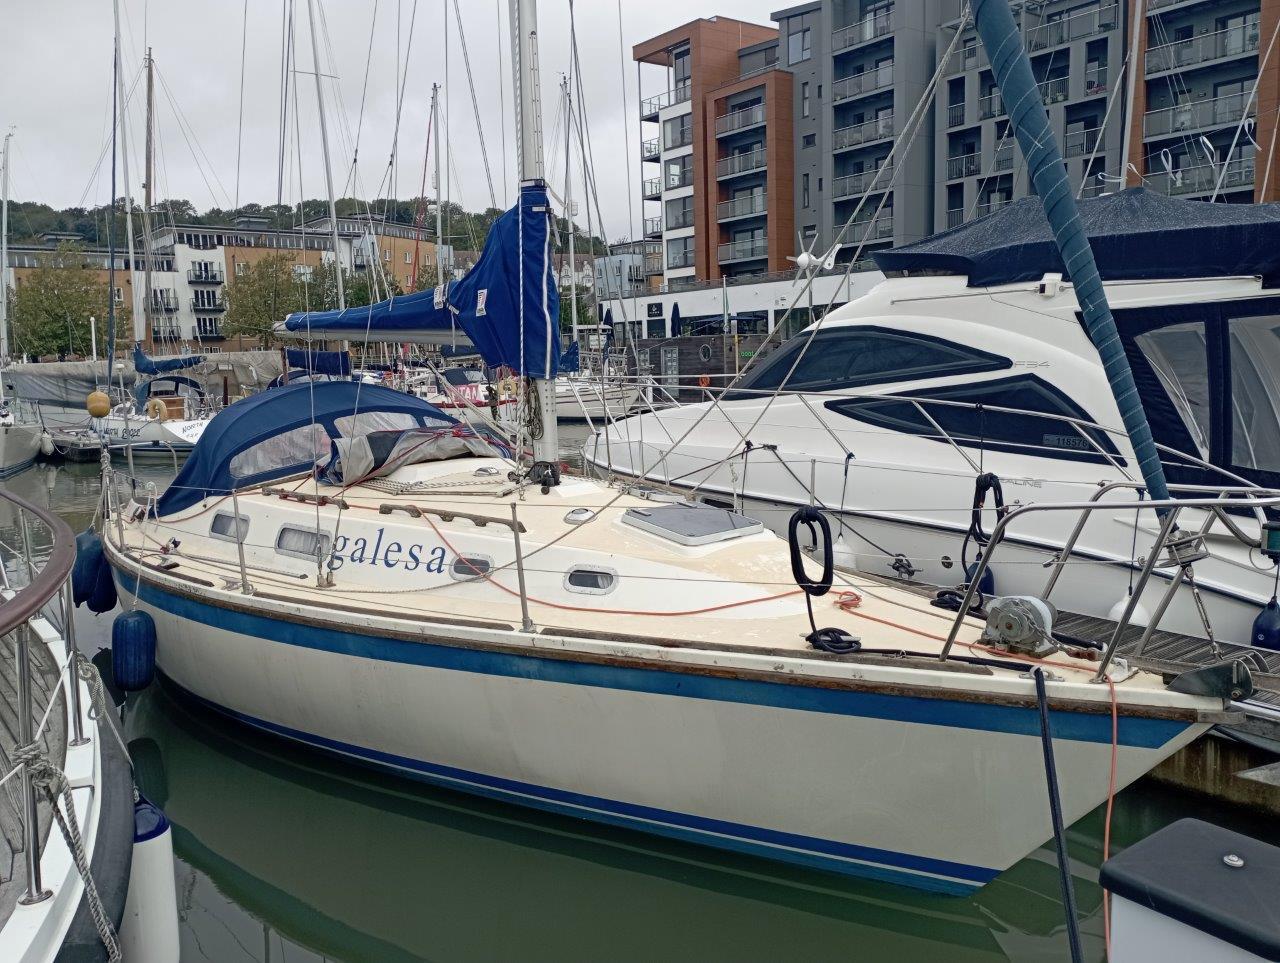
point(302, 543)
point(468, 568)
point(590, 580)
point(704, 352)
point(231, 527)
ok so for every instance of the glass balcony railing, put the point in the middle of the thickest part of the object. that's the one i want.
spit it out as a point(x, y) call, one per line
point(869, 81)
point(652, 226)
point(964, 165)
point(650, 106)
point(740, 119)
point(1218, 112)
point(745, 163)
point(1232, 42)
point(850, 185)
point(652, 188)
point(744, 250)
point(649, 149)
point(872, 27)
point(1087, 23)
point(1203, 178)
point(867, 132)
point(746, 206)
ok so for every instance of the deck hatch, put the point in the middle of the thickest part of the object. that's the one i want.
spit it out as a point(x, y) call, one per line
point(690, 524)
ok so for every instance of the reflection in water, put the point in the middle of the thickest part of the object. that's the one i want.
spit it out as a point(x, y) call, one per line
point(287, 855)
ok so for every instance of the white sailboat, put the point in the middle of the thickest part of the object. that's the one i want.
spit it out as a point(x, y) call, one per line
point(345, 566)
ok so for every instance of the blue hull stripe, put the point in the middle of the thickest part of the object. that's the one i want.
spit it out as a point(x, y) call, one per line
point(1081, 727)
point(845, 858)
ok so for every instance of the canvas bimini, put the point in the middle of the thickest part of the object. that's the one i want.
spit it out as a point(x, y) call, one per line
point(966, 380)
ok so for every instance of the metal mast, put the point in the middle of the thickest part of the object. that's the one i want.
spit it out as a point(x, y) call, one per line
point(569, 209)
point(528, 101)
point(4, 265)
point(136, 300)
point(324, 142)
point(435, 123)
point(147, 200)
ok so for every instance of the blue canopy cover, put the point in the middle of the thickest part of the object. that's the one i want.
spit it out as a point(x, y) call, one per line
point(319, 362)
point(149, 366)
point(269, 417)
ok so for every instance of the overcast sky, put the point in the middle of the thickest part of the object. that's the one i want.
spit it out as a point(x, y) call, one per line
point(56, 79)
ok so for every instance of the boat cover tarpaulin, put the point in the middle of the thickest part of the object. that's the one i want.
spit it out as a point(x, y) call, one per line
point(417, 312)
point(68, 383)
point(571, 360)
point(379, 453)
point(1135, 234)
point(319, 362)
point(508, 303)
point(269, 418)
point(153, 366)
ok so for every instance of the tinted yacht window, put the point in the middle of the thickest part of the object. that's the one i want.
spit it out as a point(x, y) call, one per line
point(1179, 361)
point(1255, 391)
point(856, 357)
point(1024, 431)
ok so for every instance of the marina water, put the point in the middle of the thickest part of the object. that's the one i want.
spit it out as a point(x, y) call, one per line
point(286, 855)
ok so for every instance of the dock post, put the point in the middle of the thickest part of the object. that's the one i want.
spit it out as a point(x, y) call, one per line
point(30, 822)
point(73, 683)
point(524, 595)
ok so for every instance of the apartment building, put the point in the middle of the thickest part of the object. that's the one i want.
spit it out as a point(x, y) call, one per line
point(624, 271)
point(720, 134)
point(1076, 50)
point(1199, 129)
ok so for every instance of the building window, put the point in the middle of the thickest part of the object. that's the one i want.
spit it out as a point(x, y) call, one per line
point(804, 190)
point(241, 269)
point(804, 99)
point(809, 140)
point(408, 257)
point(679, 172)
point(798, 47)
point(680, 68)
point(809, 232)
point(677, 132)
point(680, 252)
point(679, 213)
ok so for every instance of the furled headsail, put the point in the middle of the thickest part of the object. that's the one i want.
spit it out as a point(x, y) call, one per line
point(151, 366)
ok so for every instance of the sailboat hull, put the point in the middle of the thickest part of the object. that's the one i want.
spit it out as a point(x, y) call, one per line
point(19, 445)
point(938, 792)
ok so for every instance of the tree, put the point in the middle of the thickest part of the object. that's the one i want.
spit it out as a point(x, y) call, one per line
point(50, 309)
point(261, 297)
point(586, 306)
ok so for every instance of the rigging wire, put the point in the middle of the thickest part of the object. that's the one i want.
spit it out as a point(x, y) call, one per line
point(244, 47)
point(475, 104)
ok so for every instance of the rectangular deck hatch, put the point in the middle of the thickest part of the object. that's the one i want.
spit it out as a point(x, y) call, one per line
point(692, 524)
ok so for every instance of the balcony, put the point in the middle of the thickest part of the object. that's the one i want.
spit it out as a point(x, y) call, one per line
point(207, 330)
point(166, 302)
point(873, 27)
point(1053, 91)
point(201, 306)
point(1081, 142)
point(1095, 80)
point(1004, 156)
point(653, 227)
point(965, 165)
point(955, 217)
point(680, 259)
point(749, 205)
point(745, 163)
point(651, 189)
point(213, 275)
point(166, 332)
point(869, 230)
point(852, 185)
point(858, 85)
point(992, 204)
point(649, 149)
point(990, 106)
point(1203, 179)
point(1232, 42)
point(650, 106)
point(743, 250)
point(877, 128)
point(1093, 187)
point(742, 119)
point(968, 57)
point(955, 115)
point(1087, 23)
point(652, 264)
point(1203, 115)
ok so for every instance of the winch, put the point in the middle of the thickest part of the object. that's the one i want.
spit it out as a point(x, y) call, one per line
point(1020, 623)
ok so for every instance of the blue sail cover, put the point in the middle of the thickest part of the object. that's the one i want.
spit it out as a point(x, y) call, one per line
point(420, 311)
point(149, 366)
point(571, 360)
point(1135, 234)
point(269, 417)
point(514, 272)
point(319, 362)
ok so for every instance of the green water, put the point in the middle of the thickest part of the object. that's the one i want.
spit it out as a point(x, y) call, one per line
point(286, 855)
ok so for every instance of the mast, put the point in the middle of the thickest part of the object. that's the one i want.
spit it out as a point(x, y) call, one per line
point(528, 102)
point(147, 200)
point(435, 123)
point(324, 142)
point(4, 264)
point(136, 300)
point(569, 209)
point(111, 234)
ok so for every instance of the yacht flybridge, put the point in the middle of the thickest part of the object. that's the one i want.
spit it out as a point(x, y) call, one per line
point(966, 380)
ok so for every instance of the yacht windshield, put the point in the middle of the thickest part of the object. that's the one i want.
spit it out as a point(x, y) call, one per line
point(1177, 356)
point(1255, 392)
